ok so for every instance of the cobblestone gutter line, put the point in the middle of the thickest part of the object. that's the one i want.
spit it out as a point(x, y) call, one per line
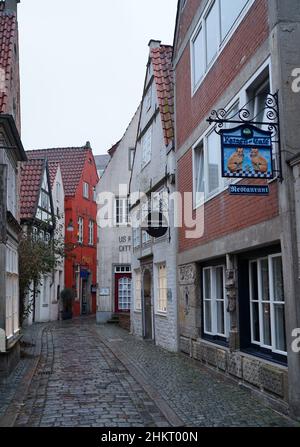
point(139, 375)
point(19, 381)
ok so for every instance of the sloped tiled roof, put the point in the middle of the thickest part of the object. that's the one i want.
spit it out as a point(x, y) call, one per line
point(71, 161)
point(161, 58)
point(8, 30)
point(53, 167)
point(31, 180)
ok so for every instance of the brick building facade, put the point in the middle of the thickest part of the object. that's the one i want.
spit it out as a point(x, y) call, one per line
point(238, 279)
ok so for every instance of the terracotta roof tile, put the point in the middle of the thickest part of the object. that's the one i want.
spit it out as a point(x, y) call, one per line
point(31, 179)
point(71, 161)
point(161, 58)
point(8, 30)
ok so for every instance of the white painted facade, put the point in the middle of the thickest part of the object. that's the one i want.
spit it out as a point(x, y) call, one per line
point(153, 172)
point(9, 233)
point(114, 238)
point(48, 306)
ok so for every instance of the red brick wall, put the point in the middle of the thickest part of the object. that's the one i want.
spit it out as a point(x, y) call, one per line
point(249, 36)
point(186, 18)
point(225, 214)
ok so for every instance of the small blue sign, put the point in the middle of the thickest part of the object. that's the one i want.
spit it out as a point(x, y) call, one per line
point(84, 274)
point(246, 152)
point(249, 190)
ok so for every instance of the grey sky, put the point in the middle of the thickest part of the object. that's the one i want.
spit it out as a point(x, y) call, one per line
point(83, 67)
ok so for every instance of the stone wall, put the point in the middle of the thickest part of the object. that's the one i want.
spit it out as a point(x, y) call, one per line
point(264, 376)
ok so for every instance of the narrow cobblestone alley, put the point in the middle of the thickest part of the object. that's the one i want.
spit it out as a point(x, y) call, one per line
point(100, 376)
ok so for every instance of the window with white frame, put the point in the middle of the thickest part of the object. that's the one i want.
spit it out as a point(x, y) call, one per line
point(145, 209)
point(121, 210)
point(214, 302)
point(215, 24)
point(12, 291)
point(91, 232)
point(85, 190)
point(147, 147)
point(162, 288)
point(123, 269)
point(257, 95)
point(136, 237)
point(207, 168)
point(267, 304)
point(94, 194)
point(148, 98)
point(80, 230)
point(160, 201)
point(199, 174)
point(58, 191)
point(131, 152)
point(138, 290)
point(124, 294)
point(145, 237)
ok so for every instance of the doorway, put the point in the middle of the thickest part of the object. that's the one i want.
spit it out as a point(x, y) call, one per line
point(84, 298)
point(147, 305)
point(122, 292)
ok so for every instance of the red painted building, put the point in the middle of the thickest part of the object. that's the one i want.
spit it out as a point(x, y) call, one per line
point(80, 178)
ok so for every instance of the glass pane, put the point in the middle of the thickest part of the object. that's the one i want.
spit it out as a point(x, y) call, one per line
point(229, 14)
point(219, 284)
point(280, 341)
point(220, 318)
point(254, 281)
point(255, 322)
point(264, 266)
point(213, 146)
point(198, 57)
point(207, 325)
point(207, 285)
point(200, 170)
point(212, 33)
point(277, 279)
point(266, 324)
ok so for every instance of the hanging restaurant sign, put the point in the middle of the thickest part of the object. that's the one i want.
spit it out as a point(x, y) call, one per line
point(246, 152)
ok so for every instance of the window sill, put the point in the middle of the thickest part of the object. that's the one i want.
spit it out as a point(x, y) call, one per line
point(215, 194)
point(215, 340)
point(159, 313)
point(266, 355)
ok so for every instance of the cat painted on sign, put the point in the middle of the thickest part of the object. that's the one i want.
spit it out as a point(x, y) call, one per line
point(235, 162)
point(259, 162)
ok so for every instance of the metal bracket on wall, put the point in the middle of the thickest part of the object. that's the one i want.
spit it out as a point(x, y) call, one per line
point(244, 116)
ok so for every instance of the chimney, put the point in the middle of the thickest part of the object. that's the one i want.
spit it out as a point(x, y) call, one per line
point(11, 5)
point(154, 44)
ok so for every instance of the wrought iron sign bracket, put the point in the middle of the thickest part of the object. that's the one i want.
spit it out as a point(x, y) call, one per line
point(244, 116)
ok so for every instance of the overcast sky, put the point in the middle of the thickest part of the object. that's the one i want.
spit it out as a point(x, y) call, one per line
point(83, 67)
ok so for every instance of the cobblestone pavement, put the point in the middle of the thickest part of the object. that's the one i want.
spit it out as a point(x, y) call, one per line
point(199, 396)
point(79, 374)
point(79, 382)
